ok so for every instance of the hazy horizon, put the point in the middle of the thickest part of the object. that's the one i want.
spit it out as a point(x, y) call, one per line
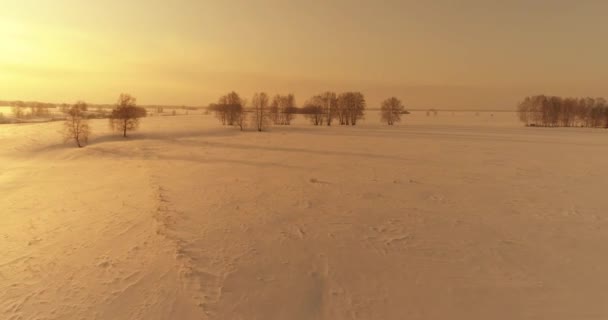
point(445, 54)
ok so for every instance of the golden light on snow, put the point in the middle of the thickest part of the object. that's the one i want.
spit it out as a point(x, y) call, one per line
point(318, 189)
point(189, 218)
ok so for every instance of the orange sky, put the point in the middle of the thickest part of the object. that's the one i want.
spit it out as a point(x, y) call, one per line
point(448, 54)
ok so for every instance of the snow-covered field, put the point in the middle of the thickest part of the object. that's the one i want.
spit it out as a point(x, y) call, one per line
point(448, 217)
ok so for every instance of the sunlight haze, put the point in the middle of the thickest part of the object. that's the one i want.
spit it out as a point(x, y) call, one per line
point(449, 54)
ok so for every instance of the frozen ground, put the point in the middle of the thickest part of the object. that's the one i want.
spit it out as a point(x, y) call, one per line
point(449, 217)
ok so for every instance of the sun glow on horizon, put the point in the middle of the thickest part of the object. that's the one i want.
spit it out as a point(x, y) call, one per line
point(477, 54)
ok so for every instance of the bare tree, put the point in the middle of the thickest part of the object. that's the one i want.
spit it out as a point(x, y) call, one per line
point(314, 110)
point(330, 105)
point(273, 110)
point(568, 112)
point(351, 107)
point(39, 109)
point(241, 117)
point(18, 110)
point(228, 109)
point(322, 109)
point(289, 108)
point(523, 111)
point(125, 116)
point(259, 105)
point(64, 108)
point(76, 125)
point(342, 110)
point(391, 110)
point(282, 109)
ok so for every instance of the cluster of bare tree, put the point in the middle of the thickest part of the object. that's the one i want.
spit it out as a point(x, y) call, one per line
point(313, 110)
point(322, 109)
point(36, 109)
point(18, 112)
point(282, 109)
point(232, 110)
point(551, 111)
point(229, 108)
point(351, 107)
point(347, 108)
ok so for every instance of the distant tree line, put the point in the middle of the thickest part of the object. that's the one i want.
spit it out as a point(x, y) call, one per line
point(326, 108)
point(323, 109)
point(552, 111)
point(36, 109)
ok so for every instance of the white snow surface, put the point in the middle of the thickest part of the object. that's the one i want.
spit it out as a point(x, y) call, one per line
point(449, 217)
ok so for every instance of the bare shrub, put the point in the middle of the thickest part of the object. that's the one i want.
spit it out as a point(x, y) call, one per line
point(125, 116)
point(76, 125)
